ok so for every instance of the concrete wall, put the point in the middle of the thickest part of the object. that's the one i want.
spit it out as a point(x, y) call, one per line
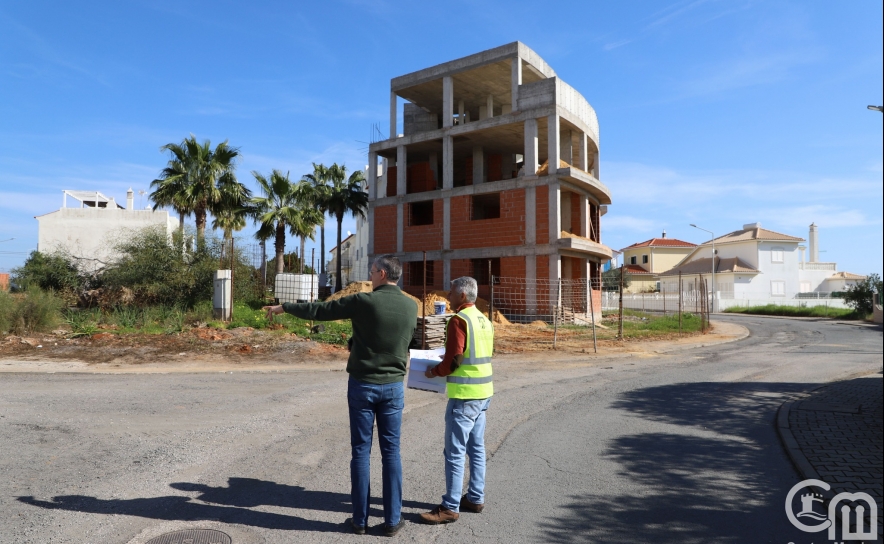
point(91, 233)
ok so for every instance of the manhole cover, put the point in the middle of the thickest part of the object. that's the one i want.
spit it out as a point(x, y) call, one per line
point(192, 536)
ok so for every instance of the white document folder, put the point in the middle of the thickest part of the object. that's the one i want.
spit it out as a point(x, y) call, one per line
point(421, 360)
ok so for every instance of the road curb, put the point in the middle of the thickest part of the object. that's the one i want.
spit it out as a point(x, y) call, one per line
point(793, 450)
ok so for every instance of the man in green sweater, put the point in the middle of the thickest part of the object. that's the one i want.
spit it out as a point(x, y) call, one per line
point(383, 327)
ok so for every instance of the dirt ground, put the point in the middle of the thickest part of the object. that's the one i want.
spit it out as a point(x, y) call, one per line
point(209, 349)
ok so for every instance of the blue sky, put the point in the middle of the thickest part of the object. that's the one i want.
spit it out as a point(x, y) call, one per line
point(717, 113)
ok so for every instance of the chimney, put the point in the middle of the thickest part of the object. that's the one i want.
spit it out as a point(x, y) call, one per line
point(814, 244)
point(130, 199)
point(664, 234)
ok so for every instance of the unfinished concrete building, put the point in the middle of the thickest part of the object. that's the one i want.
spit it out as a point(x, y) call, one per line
point(498, 161)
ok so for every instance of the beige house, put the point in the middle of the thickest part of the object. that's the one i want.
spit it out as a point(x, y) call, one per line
point(645, 260)
point(348, 259)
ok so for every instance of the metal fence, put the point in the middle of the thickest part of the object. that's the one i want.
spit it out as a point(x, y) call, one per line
point(691, 301)
point(522, 300)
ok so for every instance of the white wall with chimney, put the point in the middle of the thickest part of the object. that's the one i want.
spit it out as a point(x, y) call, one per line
point(90, 233)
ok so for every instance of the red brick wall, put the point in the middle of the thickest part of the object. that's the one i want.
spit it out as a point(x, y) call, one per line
point(541, 205)
point(512, 267)
point(385, 229)
point(422, 237)
point(508, 230)
point(543, 267)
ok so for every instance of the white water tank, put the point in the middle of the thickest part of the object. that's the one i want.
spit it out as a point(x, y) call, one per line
point(296, 287)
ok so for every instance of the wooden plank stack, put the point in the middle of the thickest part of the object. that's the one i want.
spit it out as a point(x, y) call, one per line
point(435, 325)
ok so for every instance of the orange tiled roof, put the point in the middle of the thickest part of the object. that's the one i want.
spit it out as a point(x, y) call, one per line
point(635, 269)
point(661, 242)
point(845, 276)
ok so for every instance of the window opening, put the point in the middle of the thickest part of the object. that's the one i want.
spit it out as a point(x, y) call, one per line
point(486, 206)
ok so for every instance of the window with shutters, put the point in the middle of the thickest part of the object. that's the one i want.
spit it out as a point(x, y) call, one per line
point(778, 288)
point(776, 255)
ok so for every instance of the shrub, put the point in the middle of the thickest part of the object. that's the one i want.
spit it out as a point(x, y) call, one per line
point(49, 272)
point(7, 306)
point(36, 311)
point(859, 296)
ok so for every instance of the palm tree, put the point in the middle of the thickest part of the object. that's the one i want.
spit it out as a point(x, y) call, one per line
point(345, 195)
point(231, 215)
point(281, 207)
point(197, 178)
point(319, 180)
point(170, 190)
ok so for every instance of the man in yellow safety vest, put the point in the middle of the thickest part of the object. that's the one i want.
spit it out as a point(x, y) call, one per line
point(469, 343)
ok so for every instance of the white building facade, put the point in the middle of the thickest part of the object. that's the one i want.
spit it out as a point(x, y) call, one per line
point(89, 232)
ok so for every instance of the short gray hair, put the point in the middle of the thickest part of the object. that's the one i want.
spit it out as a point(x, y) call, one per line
point(389, 264)
point(467, 286)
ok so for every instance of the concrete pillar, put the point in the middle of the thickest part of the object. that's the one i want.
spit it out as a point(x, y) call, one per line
point(446, 223)
point(393, 108)
point(530, 278)
point(555, 212)
point(400, 226)
point(553, 149)
point(447, 162)
point(478, 165)
point(584, 216)
point(372, 175)
point(565, 148)
point(595, 165)
point(583, 162)
point(401, 169)
point(515, 81)
point(555, 272)
point(447, 101)
point(434, 166)
point(489, 105)
point(530, 216)
point(370, 222)
point(446, 273)
point(130, 199)
point(530, 147)
point(801, 254)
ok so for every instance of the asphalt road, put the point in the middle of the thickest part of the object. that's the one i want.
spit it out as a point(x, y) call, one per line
point(678, 447)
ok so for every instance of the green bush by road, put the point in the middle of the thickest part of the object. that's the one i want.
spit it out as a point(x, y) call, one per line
point(796, 311)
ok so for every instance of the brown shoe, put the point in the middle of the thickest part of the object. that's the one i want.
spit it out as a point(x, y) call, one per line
point(438, 515)
point(469, 506)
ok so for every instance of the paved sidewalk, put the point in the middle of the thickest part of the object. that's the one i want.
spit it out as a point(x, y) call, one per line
point(834, 434)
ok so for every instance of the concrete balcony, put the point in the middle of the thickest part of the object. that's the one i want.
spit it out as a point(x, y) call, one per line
point(585, 246)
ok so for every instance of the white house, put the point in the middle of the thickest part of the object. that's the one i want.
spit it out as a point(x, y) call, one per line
point(89, 231)
point(759, 264)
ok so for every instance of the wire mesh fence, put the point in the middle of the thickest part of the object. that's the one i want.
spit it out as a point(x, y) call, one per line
point(566, 301)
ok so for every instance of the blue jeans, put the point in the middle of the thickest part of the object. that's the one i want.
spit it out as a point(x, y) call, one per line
point(464, 434)
point(385, 402)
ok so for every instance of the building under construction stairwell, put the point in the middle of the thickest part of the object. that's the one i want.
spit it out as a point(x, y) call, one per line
point(497, 161)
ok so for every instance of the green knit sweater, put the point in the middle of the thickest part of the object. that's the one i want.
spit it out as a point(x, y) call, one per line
point(383, 327)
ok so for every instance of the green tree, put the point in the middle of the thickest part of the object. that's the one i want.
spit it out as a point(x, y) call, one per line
point(346, 195)
point(308, 216)
point(611, 280)
point(49, 272)
point(282, 207)
point(319, 180)
point(198, 179)
point(859, 296)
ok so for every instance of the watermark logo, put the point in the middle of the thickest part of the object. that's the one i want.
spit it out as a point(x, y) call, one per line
point(810, 520)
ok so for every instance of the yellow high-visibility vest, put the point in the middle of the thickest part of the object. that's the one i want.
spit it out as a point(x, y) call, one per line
point(472, 379)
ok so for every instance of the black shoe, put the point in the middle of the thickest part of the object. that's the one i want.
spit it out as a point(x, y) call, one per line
point(394, 530)
point(357, 529)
